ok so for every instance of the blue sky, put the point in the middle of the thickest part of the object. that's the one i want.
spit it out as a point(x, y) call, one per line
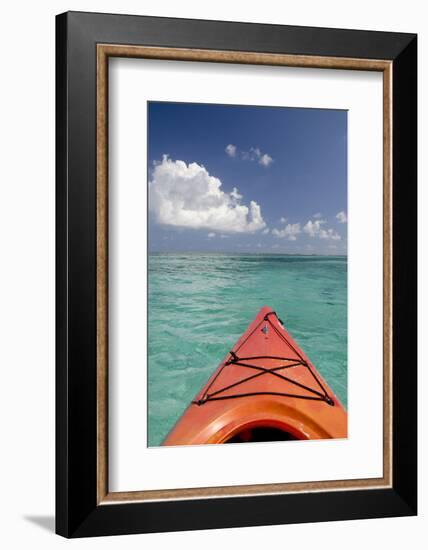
point(228, 178)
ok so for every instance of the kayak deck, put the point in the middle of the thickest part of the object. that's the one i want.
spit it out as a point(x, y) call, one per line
point(265, 389)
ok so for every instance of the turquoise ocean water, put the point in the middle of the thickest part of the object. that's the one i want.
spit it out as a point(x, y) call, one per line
point(200, 304)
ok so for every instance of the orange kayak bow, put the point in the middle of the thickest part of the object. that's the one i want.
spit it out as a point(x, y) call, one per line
point(266, 389)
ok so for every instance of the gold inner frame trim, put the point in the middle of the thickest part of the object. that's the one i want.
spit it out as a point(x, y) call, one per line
point(104, 51)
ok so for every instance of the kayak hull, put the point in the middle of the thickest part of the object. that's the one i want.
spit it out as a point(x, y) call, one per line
point(265, 389)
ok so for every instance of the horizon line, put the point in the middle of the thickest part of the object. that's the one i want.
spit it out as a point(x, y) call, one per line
point(240, 252)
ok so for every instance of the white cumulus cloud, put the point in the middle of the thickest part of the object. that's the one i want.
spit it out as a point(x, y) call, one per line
point(186, 195)
point(342, 217)
point(231, 150)
point(211, 235)
point(289, 232)
point(315, 229)
point(265, 160)
point(329, 234)
point(253, 154)
point(235, 194)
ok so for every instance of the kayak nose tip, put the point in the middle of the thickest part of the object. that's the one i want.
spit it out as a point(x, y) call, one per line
point(265, 309)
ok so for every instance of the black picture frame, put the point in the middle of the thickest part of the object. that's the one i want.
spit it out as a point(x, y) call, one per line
point(77, 511)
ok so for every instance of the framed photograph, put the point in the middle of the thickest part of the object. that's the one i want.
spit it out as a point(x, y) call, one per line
point(236, 274)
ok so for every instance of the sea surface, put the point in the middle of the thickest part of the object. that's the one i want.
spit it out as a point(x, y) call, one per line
point(200, 304)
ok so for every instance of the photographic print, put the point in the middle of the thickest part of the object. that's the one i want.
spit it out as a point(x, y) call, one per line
point(247, 274)
point(229, 240)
